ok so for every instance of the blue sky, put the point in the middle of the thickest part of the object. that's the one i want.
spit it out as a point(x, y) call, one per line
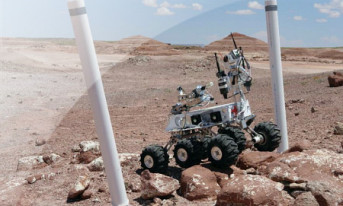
point(303, 23)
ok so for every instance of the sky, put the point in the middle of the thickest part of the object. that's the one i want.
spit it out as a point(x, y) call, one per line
point(303, 23)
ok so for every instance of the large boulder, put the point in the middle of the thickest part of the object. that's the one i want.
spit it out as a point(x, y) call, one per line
point(253, 159)
point(198, 182)
point(321, 170)
point(81, 184)
point(157, 185)
point(280, 172)
point(253, 190)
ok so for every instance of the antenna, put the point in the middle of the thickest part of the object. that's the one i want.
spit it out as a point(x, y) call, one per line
point(233, 39)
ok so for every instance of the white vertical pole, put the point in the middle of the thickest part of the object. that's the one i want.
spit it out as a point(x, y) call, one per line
point(276, 69)
point(97, 97)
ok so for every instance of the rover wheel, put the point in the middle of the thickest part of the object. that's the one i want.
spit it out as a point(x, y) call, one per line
point(222, 151)
point(237, 134)
point(188, 152)
point(271, 135)
point(154, 158)
point(205, 142)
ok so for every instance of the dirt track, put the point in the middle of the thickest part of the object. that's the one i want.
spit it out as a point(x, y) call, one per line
point(43, 97)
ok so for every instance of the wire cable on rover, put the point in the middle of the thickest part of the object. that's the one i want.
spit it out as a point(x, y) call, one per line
point(193, 131)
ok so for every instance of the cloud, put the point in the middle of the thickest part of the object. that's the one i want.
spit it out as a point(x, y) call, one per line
point(298, 18)
point(241, 12)
point(262, 35)
point(334, 9)
point(255, 5)
point(321, 20)
point(150, 3)
point(332, 40)
point(163, 11)
point(176, 6)
point(197, 6)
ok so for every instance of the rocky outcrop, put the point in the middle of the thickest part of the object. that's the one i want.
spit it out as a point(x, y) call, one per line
point(157, 185)
point(336, 79)
point(81, 184)
point(198, 182)
point(253, 190)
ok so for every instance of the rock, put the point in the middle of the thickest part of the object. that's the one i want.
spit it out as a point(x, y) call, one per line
point(92, 146)
point(335, 80)
point(313, 110)
point(87, 157)
point(30, 162)
point(127, 159)
point(52, 158)
point(320, 169)
point(298, 186)
point(338, 128)
point(86, 194)
point(157, 185)
point(198, 183)
point(81, 184)
point(253, 159)
point(250, 171)
point(167, 202)
point(300, 146)
point(306, 199)
point(253, 190)
point(96, 165)
point(33, 179)
point(280, 172)
point(296, 113)
point(40, 142)
point(76, 148)
point(134, 183)
point(102, 188)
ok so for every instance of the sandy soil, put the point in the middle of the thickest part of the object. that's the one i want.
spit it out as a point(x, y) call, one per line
point(43, 97)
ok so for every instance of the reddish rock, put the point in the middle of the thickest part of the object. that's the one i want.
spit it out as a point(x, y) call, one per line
point(280, 172)
point(198, 183)
point(133, 182)
point(321, 170)
point(253, 159)
point(306, 199)
point(30, 162)
point(157, 185)
point(33, 179)
point(335, 80)
point(253, 190)
point(81, 184)
point(300, 146)
point(86, 194)
point(87, 157)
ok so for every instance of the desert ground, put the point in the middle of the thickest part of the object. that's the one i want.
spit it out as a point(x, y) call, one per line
point(45, 108)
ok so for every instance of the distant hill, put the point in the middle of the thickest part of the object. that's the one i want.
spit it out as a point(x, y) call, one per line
point(249, 44)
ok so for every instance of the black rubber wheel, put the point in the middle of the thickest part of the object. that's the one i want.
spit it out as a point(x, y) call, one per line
point(205, 142)
point(271, 134)
point(237, 134)
point(222, 151)
point(154, 158)
point(188, 152)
